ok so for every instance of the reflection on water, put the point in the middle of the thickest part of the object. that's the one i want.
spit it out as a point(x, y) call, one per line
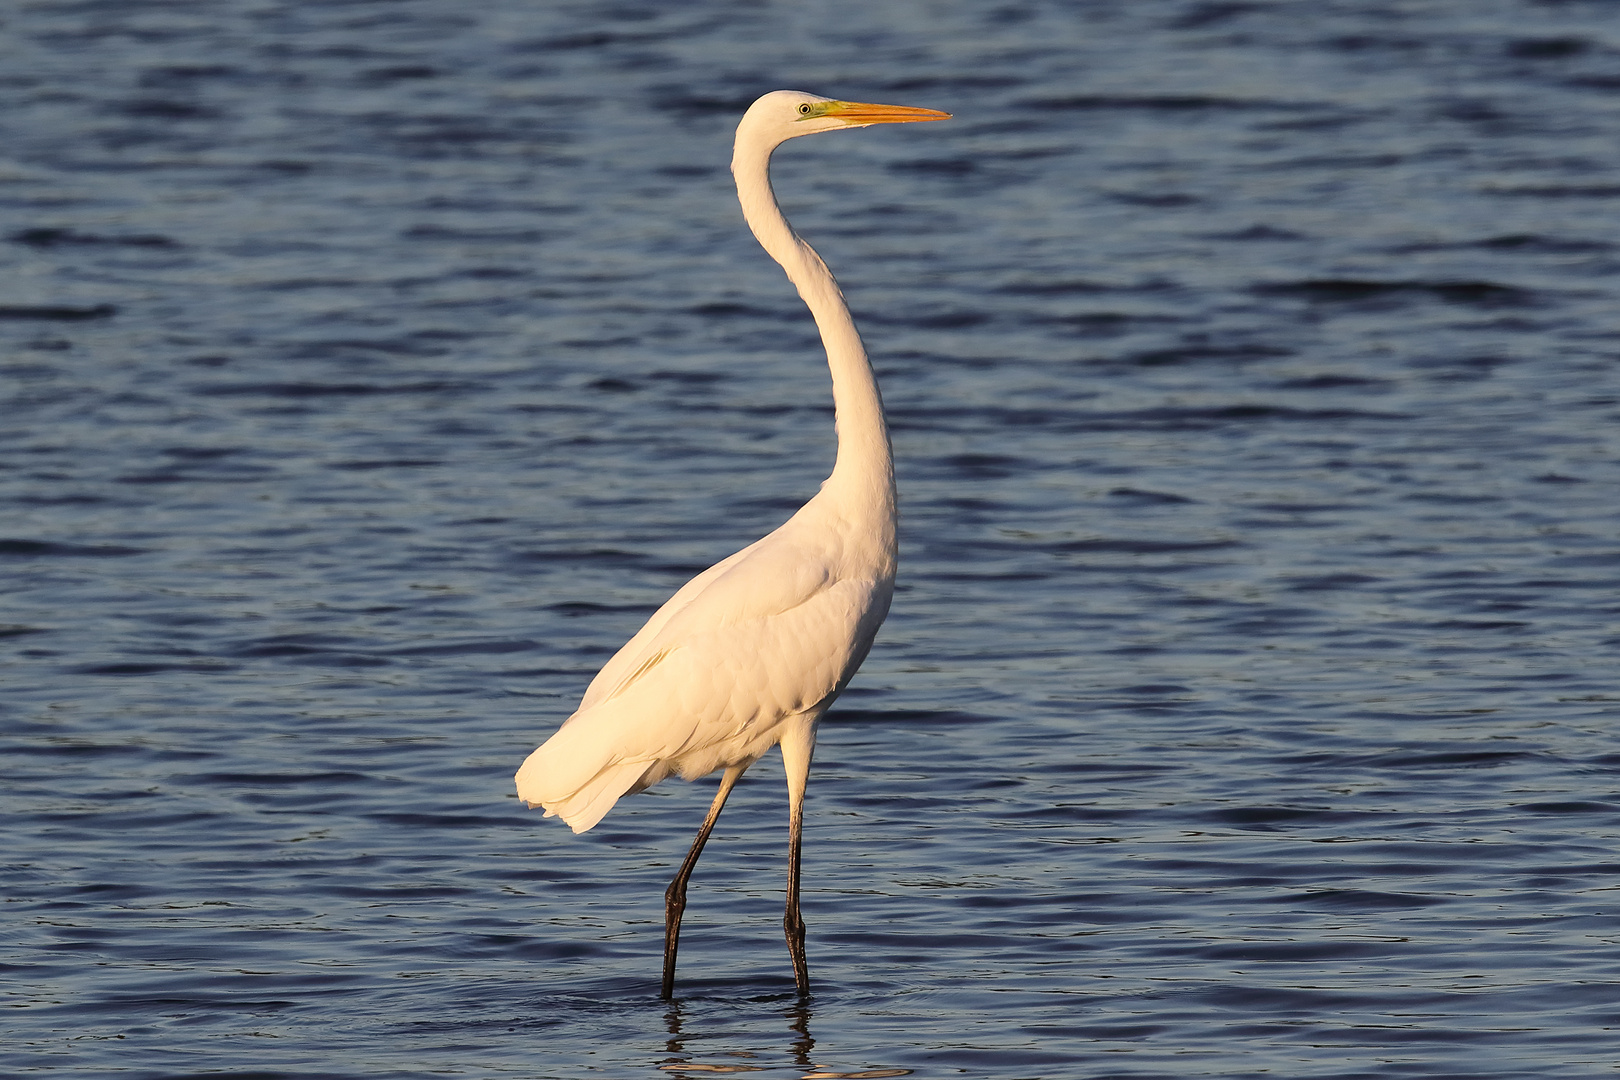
point(798, 1050)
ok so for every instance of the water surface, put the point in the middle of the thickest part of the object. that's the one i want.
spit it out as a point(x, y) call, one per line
point(371, 370)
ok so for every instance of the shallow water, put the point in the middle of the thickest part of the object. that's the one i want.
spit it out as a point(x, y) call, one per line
point(1248, 705)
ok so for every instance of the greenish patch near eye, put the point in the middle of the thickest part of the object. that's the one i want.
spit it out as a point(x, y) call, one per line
point(809, 110)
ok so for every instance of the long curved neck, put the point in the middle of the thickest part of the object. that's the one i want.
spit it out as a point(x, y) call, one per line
point(864, 472)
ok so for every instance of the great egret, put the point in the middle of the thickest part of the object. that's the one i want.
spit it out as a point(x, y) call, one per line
point(751, 652)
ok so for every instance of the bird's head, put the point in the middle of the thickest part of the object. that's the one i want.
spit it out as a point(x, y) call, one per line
point(786, 114)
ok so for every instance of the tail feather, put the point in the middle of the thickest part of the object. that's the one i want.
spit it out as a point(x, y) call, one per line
point(591, 803)
point(574, 784)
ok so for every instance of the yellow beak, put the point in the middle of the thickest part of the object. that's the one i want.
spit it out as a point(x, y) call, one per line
point(859, 112)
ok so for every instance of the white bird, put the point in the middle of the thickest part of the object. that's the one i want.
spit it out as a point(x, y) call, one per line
point(751, 652)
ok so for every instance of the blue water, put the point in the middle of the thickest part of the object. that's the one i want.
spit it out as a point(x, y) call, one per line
point(1249, 702)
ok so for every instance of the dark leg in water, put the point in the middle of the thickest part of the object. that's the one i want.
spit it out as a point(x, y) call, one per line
point(792, 921)
point(798, 744)
point(675, 896)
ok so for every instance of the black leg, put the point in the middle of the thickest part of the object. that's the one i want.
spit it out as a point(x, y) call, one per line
point(792, 921)
point(798, 744)
point(675, 895)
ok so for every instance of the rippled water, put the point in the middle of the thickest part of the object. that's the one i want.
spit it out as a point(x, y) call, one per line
point(1249, 702)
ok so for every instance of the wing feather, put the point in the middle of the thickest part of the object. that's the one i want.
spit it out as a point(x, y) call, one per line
point(773, 632)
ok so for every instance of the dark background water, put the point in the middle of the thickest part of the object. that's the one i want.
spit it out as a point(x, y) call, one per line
point(1249, 703)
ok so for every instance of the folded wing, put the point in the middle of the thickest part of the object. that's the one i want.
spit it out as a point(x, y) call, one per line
point(772, 632)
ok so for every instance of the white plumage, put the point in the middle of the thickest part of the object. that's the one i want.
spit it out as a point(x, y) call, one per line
point(774, 631)
point(751, 652)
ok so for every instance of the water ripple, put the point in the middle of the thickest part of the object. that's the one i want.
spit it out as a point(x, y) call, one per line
point(1248, 703)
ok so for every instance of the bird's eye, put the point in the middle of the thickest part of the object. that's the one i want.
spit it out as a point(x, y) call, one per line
point(804, 110)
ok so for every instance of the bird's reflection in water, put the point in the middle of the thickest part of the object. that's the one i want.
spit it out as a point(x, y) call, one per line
point(798, 1018)
point(798, 1015)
